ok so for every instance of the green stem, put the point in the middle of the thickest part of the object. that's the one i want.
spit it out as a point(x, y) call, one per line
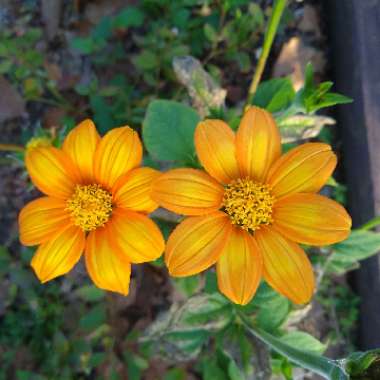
point(371, 224)
point(11, 148)
point(274, 21)
point(327, 368)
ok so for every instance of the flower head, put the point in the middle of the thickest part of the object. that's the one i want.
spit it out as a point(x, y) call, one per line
point(250, 208)
point(96, 202)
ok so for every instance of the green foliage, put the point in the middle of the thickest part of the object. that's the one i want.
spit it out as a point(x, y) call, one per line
point(221, 34)
point(181, 333)
point(295, 111)
point(358, 246)
point(273, 308)
point(23, 63)
point(168, 131)
point(363, 365)
point(275, 94)
point(308, 343)
point(312, 97)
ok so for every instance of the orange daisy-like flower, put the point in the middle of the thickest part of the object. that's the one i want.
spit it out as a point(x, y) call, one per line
point(96, 202)
point(251, 209)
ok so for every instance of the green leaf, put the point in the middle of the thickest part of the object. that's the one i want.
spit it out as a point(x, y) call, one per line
point(129, 17)
point(102, 113)
point(90, 293)
point(311, 98)
point(273, 308)
point(234, 372)
point(210, 33)
point(146, 60)
point(211, 371)
point(306, 341)
point(243, 60)
point(6, 66)
point(364, 365)
point(93, 319)
point(181, 332)
point(136, 364)
point(301, 127)
point(188, 285)
point(168, 131)
point(274, 94)
point(84, 45)
point(102, 32)
point(358, 246)
point(327, 368)
point(175, 374)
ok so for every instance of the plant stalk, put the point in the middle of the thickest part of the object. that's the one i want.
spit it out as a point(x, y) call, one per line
point(11, 148)
point(270, 33)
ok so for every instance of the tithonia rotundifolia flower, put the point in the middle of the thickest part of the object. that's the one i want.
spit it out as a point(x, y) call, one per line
point(251, 208)
point(96, 201)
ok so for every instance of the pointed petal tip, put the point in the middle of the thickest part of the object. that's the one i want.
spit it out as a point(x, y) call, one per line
point(215, 145)
point(258, 143)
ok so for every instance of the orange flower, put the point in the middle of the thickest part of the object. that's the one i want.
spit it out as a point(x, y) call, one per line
point(251, 209)
point(96, 201)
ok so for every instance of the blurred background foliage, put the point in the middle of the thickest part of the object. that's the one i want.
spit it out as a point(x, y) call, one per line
point(111, 62)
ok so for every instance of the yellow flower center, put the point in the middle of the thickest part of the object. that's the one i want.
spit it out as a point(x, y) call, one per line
point(90, 206)
point(248, 203)
point(38, 142)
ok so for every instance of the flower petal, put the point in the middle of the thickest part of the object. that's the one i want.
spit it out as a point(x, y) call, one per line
point(41, 218)
point(119, 151)
point(59, 255)
point(304, 169)
point(258, 143)
point(287, 269)
point(196, 244)
point(188, 192)
point(239, 267)
point(104, 264)
point(52, 171)
point(132, 190)
point(137, 236)
point(80, 144)
point(215, 146)
point(311, 219)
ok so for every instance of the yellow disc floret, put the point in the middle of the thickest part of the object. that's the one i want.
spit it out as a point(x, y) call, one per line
point(248, 203)
point(90, 206)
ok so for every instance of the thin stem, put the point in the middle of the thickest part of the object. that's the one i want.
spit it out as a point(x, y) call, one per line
point(274, 21)
point(320, 365)
point(11, 148)
point(371, 224)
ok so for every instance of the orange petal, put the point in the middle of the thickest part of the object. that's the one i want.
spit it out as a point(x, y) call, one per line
point(215, 146)
point(80, 144)
point(287, 269)
point(52, 171)
point(59, 255)
point(188, 192)
point(104, 264)
point(41, 218)
point(304, 169)
point(139, 238)
point(119, 151)
point(132, 190)
point(239, 267)
point(311, 219)
point(258, 143)
point(196, 244)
